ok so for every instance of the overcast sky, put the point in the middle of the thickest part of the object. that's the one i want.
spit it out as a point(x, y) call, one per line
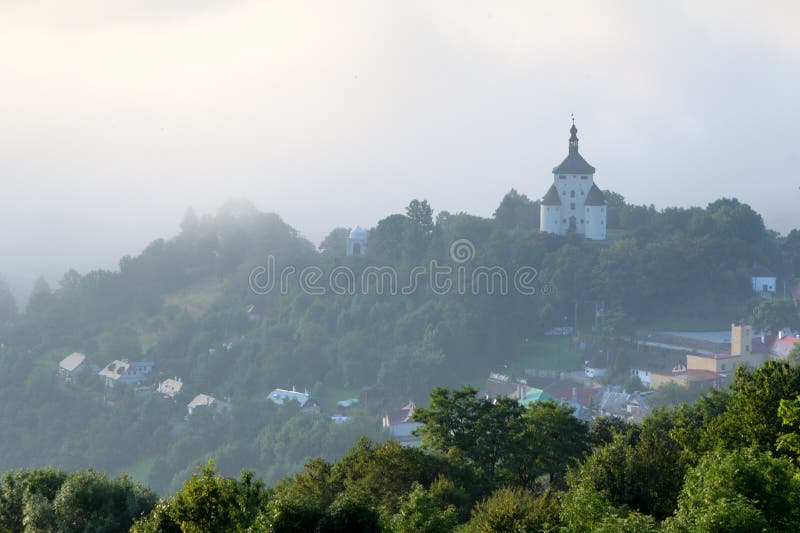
point(117, 115)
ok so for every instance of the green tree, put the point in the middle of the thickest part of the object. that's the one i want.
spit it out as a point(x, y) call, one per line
point(512, 509)
point(517, 211)
point(475, 427)
point(776, 314)
point(422, 512)
point(759, 488)
point(335, 244)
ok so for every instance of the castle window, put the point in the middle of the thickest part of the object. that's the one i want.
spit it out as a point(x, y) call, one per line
point(602, 209)
point(564, 221)
point(723, 366)
point(572, 205)
point(562, 177)
point(602, 221)
point(581, 193)
point(581, 221)
point(572, 194)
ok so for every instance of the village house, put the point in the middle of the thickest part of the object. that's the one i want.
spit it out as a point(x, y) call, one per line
point(400, 423)
point(716, 369)
point(72, 365)
point(205, 401)
point(307, 403)
point(764, 281)
point(170, 387)
point(123, 371)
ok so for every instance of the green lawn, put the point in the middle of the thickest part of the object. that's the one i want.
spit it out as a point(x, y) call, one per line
point(547, 353)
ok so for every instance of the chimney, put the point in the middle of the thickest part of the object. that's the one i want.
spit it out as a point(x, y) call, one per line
point(780, 334)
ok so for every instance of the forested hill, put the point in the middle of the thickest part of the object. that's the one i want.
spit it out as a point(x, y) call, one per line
point(189, 305)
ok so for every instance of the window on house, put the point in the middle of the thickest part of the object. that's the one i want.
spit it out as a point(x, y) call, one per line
point(581, 193)
point(581, 221)
point(723, 366)
point(564, 221)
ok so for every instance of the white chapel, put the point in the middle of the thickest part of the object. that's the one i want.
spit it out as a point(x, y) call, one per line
point(574, 203)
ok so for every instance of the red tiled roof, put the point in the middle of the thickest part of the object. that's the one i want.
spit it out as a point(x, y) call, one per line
point(782, 347)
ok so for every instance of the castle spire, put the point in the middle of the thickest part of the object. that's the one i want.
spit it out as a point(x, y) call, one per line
point(573, 138)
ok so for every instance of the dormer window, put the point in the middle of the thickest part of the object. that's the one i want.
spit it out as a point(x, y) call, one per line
point(584, 177)
point(562, 177)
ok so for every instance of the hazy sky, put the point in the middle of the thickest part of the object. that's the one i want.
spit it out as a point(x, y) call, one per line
point(117, 115)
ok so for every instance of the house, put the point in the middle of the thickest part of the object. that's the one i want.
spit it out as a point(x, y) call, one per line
point(338, 418)
point(631, 407)
point(782, 345)
point(502, 386)
point(534, 395)
point(205, 401)
point(680, 375)
point(72, 365)
point(123, 371)
point(171, 387)
point(764, 281)
point(307, 403)
point(400, 423)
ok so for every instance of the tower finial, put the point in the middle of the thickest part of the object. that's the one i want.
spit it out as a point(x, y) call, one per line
point(573, 137)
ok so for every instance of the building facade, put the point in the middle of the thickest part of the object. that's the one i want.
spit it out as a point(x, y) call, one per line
point(574, 204)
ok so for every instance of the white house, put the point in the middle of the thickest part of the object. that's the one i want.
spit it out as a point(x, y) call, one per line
point(170, 387)
point(764, 281)
point(400, 424)
point(205, 401)
point(357, 241)
point(123, 371)
point(307, 403)
point(72, 365)
point(574, 203)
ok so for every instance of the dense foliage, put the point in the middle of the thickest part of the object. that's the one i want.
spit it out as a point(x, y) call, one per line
point(182, 303)
point(678, 471)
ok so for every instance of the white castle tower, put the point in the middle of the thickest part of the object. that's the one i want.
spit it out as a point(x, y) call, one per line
point(574, 204)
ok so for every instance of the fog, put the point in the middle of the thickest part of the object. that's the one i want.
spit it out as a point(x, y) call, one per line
point(117, 116)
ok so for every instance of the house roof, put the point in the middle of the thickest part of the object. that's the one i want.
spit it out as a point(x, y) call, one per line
point(595, 196)
point(170, 387)
point(759, 346)
point(551, 197)
point(72, 361)
point(115, 369)
point(403, 415)
point(202, 400)
point(279, 396)
point(574, 163)
point(534, 395)
point(494, 388)
point(782, 347)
